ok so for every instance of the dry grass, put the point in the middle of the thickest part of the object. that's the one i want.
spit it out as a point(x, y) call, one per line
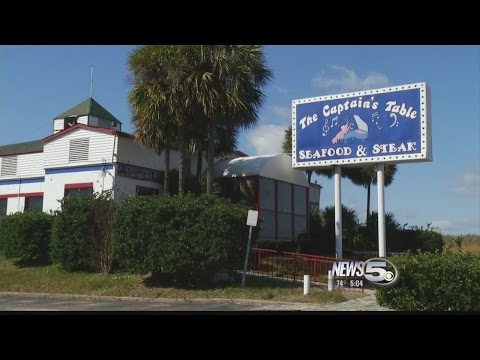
point(51, 279)
point(469, 244)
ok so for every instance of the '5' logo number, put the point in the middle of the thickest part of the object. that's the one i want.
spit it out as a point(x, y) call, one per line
point(381, 272)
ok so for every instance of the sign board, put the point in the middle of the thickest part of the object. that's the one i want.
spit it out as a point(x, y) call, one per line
point(252, 217)
point(381, 125)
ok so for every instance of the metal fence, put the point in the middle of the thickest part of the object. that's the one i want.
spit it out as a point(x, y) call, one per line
point(291, 266)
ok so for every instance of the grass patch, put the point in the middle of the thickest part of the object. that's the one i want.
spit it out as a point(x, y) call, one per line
point(51, 279)
point(469, 244)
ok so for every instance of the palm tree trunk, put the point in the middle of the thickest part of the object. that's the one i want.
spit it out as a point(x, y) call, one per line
point(368, 202)
point(210, 155)
point(181, 161)
point(309, 175)
point(166, 178)
point(199, 164)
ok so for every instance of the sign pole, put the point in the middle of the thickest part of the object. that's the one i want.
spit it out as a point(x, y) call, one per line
point(252, 219)
point(246, 256)
point(338, 212)
point(381, 209)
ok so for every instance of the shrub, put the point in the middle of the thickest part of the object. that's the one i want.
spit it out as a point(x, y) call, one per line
point(322, 230)
point(415, 239)
point(429, 239)
point(81, 234)
point(186, 238)
point(368, 234)
point(281, 246)
point(26, 236)
point(434, 282)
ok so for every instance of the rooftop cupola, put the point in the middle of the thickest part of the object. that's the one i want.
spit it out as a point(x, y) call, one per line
point(88, 112)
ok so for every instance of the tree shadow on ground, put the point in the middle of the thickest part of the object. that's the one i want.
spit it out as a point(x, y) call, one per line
point(252, 282)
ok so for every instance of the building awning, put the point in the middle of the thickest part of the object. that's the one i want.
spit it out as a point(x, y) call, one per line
point(277, 167)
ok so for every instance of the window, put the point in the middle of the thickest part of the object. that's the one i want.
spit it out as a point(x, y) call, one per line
point(79, 150)
point(267, 194)
point(300, 210)
point(80, 189)
point(300, 202)
point(142, 190)
point(284, 194)
point(69, 121)
point(187, 165)
point(9, 166)
point(3, 207)
point(267, 230)
point(34, 203)
point(284, 208)
point(300, 225)
point(267, 208)
point(238, 189)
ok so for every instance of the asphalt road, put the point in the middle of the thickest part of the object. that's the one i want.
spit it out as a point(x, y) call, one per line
point(61, 303)
point(55, 302)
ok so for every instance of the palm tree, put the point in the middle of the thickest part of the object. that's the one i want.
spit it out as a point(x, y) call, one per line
point(227, 84)
point(221, 83)
point(367, 175)
point(161, 71)
point(153, 127)
point(287, 141)
point(287, 149)
point(225, 142)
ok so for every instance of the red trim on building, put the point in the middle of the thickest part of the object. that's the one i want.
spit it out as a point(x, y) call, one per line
point(239, 153)
point(79, 186)
point(75, 127)
point(86, 127)
point(22, 153)
point(125, 135)
point(32, 194)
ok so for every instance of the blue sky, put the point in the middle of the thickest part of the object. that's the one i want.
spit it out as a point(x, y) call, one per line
point(39, 82)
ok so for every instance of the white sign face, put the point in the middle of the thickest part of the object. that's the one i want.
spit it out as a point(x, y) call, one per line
point(252, 217)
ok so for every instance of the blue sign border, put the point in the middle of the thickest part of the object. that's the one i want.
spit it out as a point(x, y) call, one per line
point(390, 124)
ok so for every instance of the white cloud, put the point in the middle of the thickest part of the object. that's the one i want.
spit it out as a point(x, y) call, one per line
point(283, 114)
point(407, 214)
point(343, 79)
point(266, 139)
point(467, 184)
point(463, 226)
point(444, 225)
point(281, 90)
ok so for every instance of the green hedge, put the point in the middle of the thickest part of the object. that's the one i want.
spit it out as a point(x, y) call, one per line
point(434, 282)
point(81, 234)
point(188, 239)
point(26, 236)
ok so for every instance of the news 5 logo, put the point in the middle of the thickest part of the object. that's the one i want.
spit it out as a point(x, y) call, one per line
point(379, 271)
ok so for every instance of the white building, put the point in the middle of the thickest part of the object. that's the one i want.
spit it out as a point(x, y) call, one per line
point(88, 152)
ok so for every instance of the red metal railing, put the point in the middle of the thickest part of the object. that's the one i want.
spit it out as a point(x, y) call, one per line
point(291, 266)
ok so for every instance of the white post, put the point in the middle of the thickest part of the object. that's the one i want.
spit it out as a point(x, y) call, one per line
point(338, 212)
point(381, 210)
point(246, 256)
point(330, 280)
point(306, 284)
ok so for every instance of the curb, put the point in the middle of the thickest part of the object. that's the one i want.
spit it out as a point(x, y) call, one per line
point(160, 300)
